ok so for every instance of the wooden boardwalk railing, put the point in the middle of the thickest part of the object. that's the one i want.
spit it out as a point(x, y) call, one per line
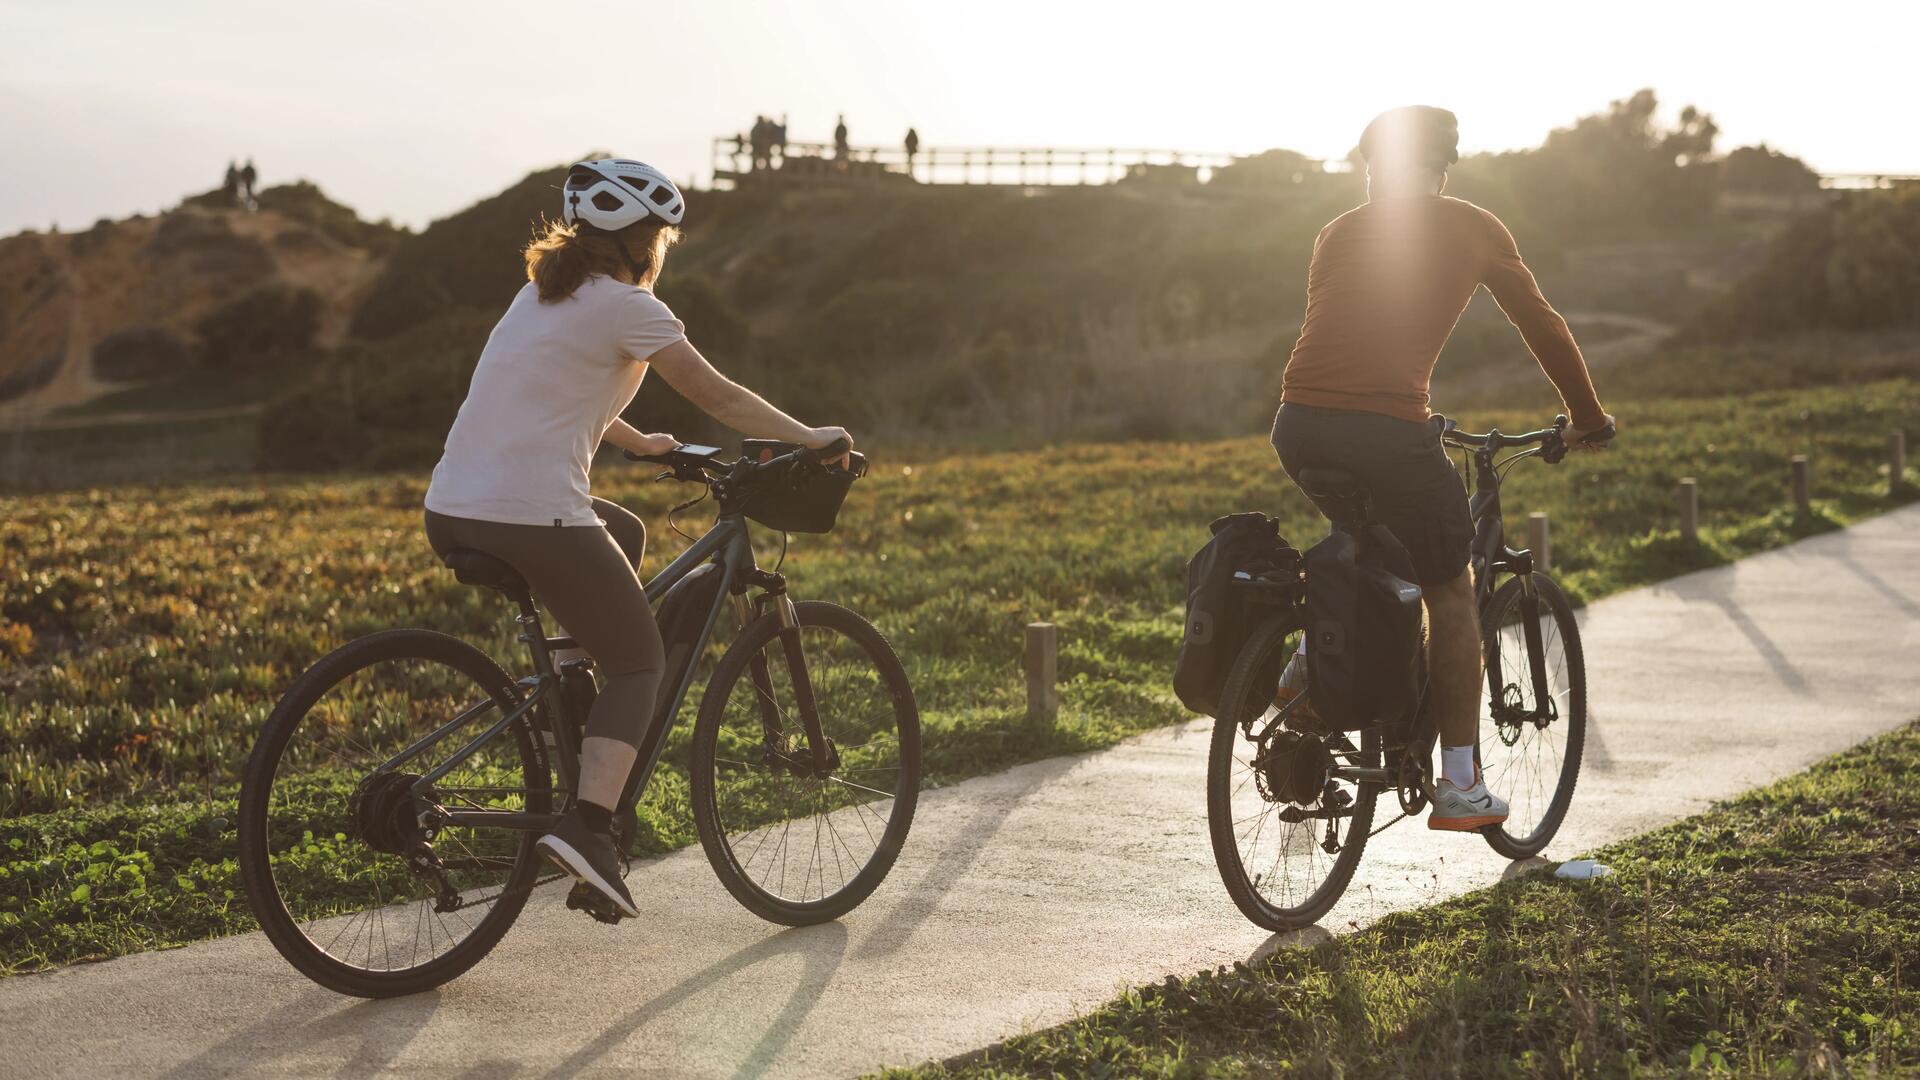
point(734, 161)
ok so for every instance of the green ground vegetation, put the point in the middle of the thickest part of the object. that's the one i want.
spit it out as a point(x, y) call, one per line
point(145, 633)
point(1774, 935)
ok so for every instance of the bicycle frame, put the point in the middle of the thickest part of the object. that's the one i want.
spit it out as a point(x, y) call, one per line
point(726, 546)
point(1491, 554)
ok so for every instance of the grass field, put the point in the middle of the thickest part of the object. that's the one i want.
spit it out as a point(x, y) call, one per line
point(1775, 935)
point(146, 632)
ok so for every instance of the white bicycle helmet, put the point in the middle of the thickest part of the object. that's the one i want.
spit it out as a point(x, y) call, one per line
point(613, 193)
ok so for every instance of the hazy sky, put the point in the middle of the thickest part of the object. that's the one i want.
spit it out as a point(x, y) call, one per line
point(413, 110)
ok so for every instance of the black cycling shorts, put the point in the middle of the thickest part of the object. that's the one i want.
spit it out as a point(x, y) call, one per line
point(1416, 492)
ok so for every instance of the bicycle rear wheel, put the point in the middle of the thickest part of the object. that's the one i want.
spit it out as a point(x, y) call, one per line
point(1532, 756)
point(346, 882)
point(1286, 837)
point(795, 848)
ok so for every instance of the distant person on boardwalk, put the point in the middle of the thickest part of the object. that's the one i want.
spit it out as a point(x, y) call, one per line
point(762, 142)
point(840, 138)
point(559, 368)
point(247, 178)
point(913, 147)
point(780, 138)
point(1387, 281)
point(230, 187)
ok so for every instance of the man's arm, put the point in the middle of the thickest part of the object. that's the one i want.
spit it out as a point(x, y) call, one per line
point(1544, 331)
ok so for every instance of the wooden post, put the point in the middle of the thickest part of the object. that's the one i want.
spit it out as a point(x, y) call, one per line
point(1802, 495)
point(1540, 541)
point(1896, 461)
point(1043, 667)
point(1689, 510)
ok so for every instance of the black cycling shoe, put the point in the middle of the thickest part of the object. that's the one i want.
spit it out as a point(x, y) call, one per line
point(590, 857)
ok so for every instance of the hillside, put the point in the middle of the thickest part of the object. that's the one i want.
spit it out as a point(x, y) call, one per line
point(129, 302)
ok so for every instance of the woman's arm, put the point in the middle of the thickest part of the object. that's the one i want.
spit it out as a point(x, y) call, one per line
point(732, 404)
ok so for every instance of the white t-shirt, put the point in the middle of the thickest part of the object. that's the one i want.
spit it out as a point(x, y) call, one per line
point(549, 383)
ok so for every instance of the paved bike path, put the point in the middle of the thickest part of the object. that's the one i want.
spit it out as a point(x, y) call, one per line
point(1023, 896)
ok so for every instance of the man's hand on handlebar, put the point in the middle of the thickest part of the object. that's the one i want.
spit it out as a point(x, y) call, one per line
point(821, 438)
point(1577, 439)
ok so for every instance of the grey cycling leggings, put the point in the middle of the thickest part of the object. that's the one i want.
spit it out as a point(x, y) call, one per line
point(587, 578)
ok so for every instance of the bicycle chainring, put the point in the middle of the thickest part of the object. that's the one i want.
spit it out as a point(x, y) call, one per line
point(1410, 786)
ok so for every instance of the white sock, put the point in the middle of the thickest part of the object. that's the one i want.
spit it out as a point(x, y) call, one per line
point(1456, 766)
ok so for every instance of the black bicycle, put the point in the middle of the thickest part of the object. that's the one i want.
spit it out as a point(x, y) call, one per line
point(1290, 808)
point(389, 810)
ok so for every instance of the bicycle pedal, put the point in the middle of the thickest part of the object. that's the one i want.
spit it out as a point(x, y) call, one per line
point(584, 897)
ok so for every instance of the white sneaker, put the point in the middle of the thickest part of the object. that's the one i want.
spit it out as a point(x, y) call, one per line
point(1455, 810)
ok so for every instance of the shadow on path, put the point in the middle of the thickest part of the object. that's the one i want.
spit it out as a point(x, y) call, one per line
point(383, 1028)
point(957, 854)
point(821, 948)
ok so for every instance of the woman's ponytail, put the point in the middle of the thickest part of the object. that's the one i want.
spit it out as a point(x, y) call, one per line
point(561, 257)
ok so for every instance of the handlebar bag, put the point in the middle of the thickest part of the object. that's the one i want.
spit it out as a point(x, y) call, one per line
point(801, 496)
point(1219, 615)
point(1363, 614)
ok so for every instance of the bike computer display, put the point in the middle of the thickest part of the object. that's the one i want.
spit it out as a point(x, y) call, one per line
point(696, 450)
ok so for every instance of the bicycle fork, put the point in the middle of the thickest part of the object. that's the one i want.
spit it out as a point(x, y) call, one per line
point(822, 758)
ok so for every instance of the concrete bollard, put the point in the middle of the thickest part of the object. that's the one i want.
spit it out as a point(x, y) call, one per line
point(1043, 671)
point(1689, 510)
point(1540, 541)
point(1896, 461)
point(1802, 488)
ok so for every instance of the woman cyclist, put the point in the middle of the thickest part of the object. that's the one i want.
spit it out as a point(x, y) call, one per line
point(557, 371)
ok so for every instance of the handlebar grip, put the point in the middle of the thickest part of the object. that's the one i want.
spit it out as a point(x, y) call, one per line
point(1604, 435)
point(832, 450)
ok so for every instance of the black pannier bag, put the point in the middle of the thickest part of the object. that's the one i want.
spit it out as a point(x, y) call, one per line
point(799, 496)
point(1218, 615)
point(1363, 611)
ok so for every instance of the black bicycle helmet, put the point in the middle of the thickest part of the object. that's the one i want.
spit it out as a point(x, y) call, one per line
point(1412, 135)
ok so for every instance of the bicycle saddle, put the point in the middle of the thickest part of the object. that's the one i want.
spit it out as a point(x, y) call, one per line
point(481, 569)
point(1337, 492)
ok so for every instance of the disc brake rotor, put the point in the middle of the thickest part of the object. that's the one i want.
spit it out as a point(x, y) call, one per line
point(1292, 767)
point(383, 813)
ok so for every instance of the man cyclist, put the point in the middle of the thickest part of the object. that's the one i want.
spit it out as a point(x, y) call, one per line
point(1388, 281)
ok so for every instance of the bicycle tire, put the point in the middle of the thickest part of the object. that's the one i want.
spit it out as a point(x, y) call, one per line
point(1243, 683)
point(255, 857)
point(1575, 716)
point(758, 635)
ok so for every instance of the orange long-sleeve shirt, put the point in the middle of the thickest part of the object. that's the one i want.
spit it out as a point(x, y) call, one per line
point(1388, 282)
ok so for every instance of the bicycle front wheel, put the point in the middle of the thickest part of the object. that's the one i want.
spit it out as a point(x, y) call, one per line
point(793, 844)
point(349, 883)
point(1531, 752)
point(1287, 835)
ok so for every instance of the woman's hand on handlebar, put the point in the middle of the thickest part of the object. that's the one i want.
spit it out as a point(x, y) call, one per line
point(652, 445)
point(1577, 439)
point(822, 437)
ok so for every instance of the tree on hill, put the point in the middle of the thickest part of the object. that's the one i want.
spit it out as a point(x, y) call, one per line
point(1617, 171)
point(1760, 170)
point(1855, 266)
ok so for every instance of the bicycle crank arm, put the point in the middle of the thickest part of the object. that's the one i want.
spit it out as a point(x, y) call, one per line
point(1362, 775)
point(1293, 814)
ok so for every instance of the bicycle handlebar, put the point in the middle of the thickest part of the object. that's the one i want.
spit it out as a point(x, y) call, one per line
point(697, 467)
point(1552, 446)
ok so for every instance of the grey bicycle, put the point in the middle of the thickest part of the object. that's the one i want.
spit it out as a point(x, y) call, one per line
point(1290, 807)
point(389, 810)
